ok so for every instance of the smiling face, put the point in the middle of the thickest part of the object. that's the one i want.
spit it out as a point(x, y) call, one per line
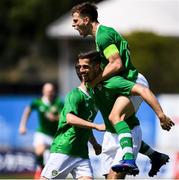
point(87, 71)
point(81, 24)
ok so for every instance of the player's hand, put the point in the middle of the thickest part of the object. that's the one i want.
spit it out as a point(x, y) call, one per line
point(97, 149)
point(22, 130)
point(100, 127)
point(51, 117)
point(166, 123)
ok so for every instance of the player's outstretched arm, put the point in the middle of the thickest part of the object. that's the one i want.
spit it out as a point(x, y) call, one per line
point(148, 96)
point(77, 121)
point(24, 119)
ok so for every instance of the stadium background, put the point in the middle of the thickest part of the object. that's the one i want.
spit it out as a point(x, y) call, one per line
point(30, 56)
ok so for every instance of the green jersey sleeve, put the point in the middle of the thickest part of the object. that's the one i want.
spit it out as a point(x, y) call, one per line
point(34, 104)
point(60, 105)
point(72, 102)
point(109, 42)
point(110, 50)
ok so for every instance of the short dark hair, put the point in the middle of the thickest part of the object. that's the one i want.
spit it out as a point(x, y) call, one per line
point(86, 9)
point(93, 56)
point(78, 72)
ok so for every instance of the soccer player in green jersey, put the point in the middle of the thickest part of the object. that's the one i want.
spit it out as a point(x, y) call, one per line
point(115, 61)
point(48, 108)
point(69, 150)
point(105, 96)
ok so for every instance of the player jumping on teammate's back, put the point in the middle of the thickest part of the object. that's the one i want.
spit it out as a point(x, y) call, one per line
point(116, 60)
point(105, 95)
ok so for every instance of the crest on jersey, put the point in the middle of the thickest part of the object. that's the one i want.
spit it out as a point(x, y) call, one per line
point(99, 86)
point(54, 173)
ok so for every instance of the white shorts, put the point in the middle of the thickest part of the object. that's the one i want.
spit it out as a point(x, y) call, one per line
point(41, 138)
point(59, 166)
point(137, 100)
point(112, 152)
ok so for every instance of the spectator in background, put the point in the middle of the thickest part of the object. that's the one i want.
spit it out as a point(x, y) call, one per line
point(48, 108)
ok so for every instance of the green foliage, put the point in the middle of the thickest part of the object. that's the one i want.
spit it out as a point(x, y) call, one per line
point(23, 25)
point(23, 38)
point(157, 57)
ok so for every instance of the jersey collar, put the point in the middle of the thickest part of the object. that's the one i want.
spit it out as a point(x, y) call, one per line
point(85, 92)
point(97, 28)
point(46, 101)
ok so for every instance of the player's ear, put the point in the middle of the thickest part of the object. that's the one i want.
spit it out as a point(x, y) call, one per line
point(97, 67)
point(86, 20)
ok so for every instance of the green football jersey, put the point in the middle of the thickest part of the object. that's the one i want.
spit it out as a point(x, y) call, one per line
point(105, 95)
point(109, 41)
point(69, 139)
point(45, 125)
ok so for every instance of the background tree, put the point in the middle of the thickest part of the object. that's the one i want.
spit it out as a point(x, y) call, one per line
point(157, 57)
point(27, 55)
point(23, 39)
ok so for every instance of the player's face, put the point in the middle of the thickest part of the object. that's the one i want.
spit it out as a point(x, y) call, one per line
point(87, 71)
point(49, 91)
point(80, 24)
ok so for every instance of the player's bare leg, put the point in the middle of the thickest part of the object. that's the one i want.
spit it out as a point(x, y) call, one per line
point(122, 109)
point(43, 178)
point(113, 175)
point(85, 178)
point(39, 150)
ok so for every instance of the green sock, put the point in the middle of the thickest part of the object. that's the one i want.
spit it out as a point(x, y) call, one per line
point(125, 139)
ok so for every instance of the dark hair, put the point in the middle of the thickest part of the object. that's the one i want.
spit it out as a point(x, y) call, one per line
point(78, 72)
point(93, 56)
point(86, 9)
